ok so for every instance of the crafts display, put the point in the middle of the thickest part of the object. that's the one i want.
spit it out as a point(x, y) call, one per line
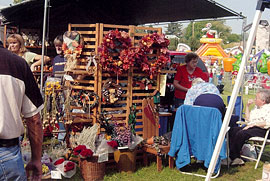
point(111, 92)
point(82, 98)
point(53, 111)
point(74, 101)
point(89, 68)
point(115, 53)
point(72, 48)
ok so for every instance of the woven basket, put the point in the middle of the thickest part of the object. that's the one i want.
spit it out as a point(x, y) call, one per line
point(91, 169)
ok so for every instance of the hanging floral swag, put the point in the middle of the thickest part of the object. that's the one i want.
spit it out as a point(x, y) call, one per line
point(116, 54)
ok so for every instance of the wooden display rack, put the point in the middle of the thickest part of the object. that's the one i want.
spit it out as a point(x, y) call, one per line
point(93, 35)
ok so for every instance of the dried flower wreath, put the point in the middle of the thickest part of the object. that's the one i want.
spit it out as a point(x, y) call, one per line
point(111, 92)
point(148, 45)
point(116, 55)
point(83, 97)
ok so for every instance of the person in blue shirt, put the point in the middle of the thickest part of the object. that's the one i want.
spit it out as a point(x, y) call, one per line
point(59, 61)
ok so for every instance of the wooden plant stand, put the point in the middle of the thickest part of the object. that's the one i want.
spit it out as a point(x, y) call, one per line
point(164, 150)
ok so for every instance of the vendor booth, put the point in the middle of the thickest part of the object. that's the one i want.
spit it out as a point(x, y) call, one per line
point(109, 96)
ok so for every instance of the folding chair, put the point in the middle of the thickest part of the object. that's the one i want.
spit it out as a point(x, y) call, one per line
point(259, 142)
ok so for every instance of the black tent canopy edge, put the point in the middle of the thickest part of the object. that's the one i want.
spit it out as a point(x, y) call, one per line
point(29, 14)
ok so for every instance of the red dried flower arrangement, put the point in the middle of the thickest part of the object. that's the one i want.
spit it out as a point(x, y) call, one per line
point(86, 153)
point(82, 151)
point(69, 166)
point(59, 161)
point(148, 44)
point(113, 144)
point(79, 149)
point(116, 54)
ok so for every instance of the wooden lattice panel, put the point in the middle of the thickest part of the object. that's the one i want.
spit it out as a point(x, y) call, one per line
point(83, 80)
point(138, 94)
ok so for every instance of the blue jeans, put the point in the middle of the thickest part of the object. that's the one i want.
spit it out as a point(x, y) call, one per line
point(11, 164)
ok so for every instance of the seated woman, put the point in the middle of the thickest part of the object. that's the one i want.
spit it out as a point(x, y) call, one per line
point(16, 45)
point(257, 121)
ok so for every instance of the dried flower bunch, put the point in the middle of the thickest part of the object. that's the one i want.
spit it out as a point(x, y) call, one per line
point(82, 151)
point(122, 135)
point(87, 137)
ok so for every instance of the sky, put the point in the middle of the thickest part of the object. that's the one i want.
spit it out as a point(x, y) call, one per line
point(247, 7)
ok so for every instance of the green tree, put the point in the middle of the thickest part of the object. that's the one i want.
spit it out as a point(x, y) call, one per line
point(193, 33)
point(17, 1)
point(174, 29)
point(233, 38)
point(173, 43)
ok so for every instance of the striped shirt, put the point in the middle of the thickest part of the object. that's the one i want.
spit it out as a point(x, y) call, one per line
point(19, 94)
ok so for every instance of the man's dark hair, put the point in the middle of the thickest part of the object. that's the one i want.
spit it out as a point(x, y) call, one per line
point(190, 56)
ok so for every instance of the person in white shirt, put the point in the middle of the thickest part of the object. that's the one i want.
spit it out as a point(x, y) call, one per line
point(258, 120)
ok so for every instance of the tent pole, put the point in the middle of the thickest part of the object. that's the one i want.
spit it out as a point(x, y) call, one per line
point(43, 44)
point(260, 8)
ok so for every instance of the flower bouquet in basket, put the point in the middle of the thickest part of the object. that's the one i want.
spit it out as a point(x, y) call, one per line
point(92, 150)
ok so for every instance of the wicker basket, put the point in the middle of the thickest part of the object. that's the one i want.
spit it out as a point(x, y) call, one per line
point(91, 169)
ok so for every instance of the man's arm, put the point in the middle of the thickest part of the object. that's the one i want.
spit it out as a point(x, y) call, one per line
point(35, 134)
